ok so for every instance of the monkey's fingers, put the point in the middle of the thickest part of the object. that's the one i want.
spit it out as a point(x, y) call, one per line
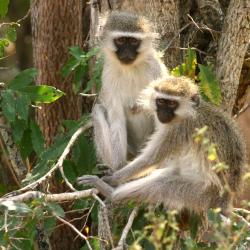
point(87, 180)
point(104, 169)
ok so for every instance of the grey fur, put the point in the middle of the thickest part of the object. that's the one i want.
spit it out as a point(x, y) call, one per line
point(117, 130)
point(174, 170)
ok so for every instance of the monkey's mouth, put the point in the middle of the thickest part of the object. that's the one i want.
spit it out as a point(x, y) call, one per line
point(165, 117)
point(126, 60)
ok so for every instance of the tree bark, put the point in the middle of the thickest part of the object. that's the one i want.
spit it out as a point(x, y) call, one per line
point(232, 48)
point(56, 25)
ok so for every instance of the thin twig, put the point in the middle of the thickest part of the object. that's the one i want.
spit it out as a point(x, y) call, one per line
point(183, 28)
point(86, 220)
point(127, 227)
point(242, 110)
point(60, 160)
point(23, 18)
point(196, 24)
point(67, 182)
point(241, 210)
point(242, 219)
point(74, 229)
point(106, 219)
point(198, 50)
point(87, 95)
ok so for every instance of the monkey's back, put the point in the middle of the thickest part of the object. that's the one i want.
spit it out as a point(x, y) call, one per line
point(223, 131)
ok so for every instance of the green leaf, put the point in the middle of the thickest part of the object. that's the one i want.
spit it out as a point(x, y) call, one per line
point(209, 85)
point(42, 93)
point(93, 52)
point(37, 138)
point(4, 42)
point(83, 155)
point(191, 63)
point(8, 105)
point(11, 33)
point(4, 4)
point(18, 127)
point(23, 79)
point(25, 145)
point(56, 209)
point(189, 67)
point(70, 66)
point(70, 170)
point(77, 52)
point(80, 72)
point(1, 50)
point(22, 106)
point(49, 225)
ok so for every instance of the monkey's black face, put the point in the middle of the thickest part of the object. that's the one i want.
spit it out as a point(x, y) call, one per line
point(127, 49)
point(165, 109)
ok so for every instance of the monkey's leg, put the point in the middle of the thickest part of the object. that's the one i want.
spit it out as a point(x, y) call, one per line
point(110, 137)
point(99, 184)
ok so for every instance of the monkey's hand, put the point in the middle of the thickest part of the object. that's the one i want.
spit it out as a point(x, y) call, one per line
point(111, 180)
point(90, 180)
point(104, 169)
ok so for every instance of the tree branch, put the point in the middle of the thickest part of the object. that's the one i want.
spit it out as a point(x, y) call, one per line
point(126, 229)
point(60, 160)
point(31, 195)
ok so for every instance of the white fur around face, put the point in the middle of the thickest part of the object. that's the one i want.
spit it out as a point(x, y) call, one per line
point(149, 95)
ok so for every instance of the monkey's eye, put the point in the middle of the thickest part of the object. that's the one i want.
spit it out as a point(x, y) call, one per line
point(133, 41)
point(120, 40)
point(160, 101)
point(171, 103)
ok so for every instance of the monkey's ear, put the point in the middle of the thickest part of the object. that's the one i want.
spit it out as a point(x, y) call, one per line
point(196, 100)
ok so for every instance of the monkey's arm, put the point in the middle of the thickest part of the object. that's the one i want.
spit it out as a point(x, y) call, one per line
point(110, 136)
point(148, 160)
point(163, 143)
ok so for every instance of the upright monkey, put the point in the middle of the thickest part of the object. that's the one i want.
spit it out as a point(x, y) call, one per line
point(172, 169)
point(130, 64)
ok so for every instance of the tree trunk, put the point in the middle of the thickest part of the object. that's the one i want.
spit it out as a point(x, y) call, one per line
point(56, 26)
point(232, 48)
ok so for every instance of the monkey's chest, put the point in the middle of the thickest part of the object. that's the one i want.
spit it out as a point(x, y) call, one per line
point(139, 128)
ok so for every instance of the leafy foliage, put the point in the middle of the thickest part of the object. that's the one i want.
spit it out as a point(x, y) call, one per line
point(78, 64)
point(209, 86)
point(9, 33)
point(4, 7)
point(16, 101)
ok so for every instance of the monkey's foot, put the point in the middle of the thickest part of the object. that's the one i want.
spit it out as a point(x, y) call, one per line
point(87, 180)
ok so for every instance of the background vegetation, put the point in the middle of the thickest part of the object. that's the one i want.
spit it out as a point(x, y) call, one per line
point(45, 127)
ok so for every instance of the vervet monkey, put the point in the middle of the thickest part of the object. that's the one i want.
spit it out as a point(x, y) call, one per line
point(173, 169)
point(130, 63)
